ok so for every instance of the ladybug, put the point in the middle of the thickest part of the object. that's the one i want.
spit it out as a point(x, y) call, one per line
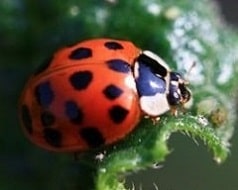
point(95, 92)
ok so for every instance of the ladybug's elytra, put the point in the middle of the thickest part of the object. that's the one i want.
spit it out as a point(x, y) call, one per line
point(95, 92)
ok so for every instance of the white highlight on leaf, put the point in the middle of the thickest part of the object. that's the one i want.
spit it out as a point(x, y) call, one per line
point(187, 48)
point(111, 1)
point(154, 9)
point(202, 120)
point(227, 67)
point(74, 10)
point(172, 13)
point(101, 15)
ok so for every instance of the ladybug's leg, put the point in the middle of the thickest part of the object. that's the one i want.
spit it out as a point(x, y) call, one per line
point(174, 110)
point(154, 119)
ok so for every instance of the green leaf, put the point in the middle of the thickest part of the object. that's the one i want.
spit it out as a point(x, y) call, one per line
point(149, 145)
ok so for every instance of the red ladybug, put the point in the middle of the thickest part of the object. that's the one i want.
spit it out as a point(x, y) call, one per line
point(95, 92)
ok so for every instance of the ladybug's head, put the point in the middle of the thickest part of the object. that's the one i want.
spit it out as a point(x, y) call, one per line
point(178, 90)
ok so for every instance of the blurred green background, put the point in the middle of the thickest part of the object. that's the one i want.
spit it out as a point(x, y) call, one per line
point(31, 30)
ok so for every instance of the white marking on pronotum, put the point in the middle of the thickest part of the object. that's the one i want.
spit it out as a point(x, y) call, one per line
point(154, 105)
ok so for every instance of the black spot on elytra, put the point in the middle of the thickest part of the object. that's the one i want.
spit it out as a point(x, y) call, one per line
point(112, 92)
point(53, 137)
point(26, 118)
point(73, 112)
point(44, 66)
point(92, 136)
point(47, 119)
point(112, 45)
point(80, 80)
point(44, 94)
point(118, 114)
point(118, 65)
point(80, 53)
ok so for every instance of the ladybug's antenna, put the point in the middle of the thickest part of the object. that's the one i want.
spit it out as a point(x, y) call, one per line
point(191, 68)
point(188, 72)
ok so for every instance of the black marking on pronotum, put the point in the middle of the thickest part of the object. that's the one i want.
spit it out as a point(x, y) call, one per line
point(73, 112)
point(154, 65)
point(118, 114)
point(149, 83)
point(112, 45)
point(47, 119)
point(92, 136)
point(80, 53)
point(53, 137)
point(80, 80)
point(44, 94)
point(26, 118)
point(119, 65)
point(112, 92)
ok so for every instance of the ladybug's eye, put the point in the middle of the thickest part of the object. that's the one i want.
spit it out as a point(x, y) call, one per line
point(186, 94)
point(176, 76)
